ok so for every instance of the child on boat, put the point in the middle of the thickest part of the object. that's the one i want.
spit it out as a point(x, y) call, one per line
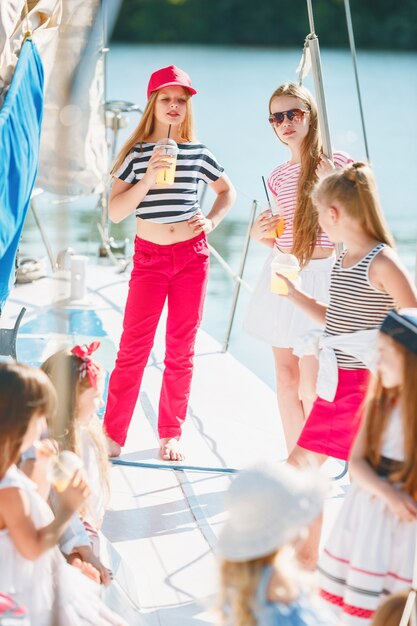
point(268, 507)
point(32, 569)
point(78, 380)
point(367, 281)
point(294, 119)
point(370, 552)
point(171, 259)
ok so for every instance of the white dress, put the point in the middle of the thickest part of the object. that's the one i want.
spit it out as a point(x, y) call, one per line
point(48, 583)
point(275, 319)
point(370, 553)
point(96, 505)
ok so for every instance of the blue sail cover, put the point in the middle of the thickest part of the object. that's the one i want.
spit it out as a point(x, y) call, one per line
point(20, 129)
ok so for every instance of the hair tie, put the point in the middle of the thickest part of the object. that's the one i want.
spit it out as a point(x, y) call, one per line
point(88, 367)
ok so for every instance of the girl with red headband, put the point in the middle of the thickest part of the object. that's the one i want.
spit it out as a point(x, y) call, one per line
point(171, 258)
point(78, 380)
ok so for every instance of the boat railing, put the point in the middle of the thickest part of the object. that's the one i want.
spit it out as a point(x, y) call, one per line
point(237, 277)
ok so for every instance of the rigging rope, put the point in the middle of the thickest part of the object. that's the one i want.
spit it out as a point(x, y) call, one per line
point(355, 69)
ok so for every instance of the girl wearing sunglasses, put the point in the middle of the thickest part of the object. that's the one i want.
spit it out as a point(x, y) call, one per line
point(294, 120)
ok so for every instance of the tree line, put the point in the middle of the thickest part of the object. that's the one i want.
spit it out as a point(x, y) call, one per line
point(378, 24)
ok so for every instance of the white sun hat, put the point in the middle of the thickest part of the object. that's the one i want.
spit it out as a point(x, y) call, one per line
point(268, 505)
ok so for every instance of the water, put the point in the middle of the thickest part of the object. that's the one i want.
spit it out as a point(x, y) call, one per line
point(234, 85)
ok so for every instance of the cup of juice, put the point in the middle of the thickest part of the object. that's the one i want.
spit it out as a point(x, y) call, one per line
point(286, 264)
point(62, 469)
point(170, 150)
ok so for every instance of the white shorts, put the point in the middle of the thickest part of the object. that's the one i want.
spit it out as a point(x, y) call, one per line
point(275, 319)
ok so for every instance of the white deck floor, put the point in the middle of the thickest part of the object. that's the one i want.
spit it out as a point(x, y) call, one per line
point(162, 524)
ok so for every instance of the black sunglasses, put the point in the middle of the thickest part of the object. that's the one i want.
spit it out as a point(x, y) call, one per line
point(293, 115)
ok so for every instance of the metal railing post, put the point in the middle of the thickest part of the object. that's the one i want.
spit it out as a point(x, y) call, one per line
point(238, 283)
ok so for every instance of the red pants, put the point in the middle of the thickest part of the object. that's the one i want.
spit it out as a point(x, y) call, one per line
point(178, 272)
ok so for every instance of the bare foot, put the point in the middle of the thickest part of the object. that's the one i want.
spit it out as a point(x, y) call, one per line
point(86, 568)
point(170, 449)
point(113, 447)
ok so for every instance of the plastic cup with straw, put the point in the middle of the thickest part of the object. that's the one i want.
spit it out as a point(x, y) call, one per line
point(166, 176)
point(279, 228)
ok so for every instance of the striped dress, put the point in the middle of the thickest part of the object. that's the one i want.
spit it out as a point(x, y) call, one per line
point(355, 305)
point(370, 552)
point(177, 202)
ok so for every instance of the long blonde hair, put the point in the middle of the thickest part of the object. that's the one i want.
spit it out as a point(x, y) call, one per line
point(378, 407)
point(305, 226)
point(355, 188)
point(239, 584)
point(146, 127)
point(63, 369)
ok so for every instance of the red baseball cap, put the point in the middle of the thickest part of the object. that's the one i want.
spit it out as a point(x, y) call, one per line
point(167, 76)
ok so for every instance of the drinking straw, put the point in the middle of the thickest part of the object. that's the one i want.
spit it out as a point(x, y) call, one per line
point(169, 132)
point(266, 193)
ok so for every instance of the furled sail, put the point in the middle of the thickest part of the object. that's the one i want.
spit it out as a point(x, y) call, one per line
point(73, 159)
point(20, 125)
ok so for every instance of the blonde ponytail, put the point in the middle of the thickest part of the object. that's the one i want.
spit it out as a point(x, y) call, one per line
point(355, 188)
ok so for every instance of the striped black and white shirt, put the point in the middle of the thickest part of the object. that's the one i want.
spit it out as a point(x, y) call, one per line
point(354, 303)
point(177, 202)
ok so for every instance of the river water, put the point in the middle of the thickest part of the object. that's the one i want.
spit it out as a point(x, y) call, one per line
point(234, 85)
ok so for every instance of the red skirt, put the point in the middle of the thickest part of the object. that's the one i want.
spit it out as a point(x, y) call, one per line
point(332, 426)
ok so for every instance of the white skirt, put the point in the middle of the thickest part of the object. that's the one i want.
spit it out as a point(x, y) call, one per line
point(370, 554)
point(275, 319)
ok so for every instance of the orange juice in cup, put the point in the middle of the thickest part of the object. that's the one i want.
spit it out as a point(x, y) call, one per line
point(166, 176)
point(62, 469)
point(288, 266)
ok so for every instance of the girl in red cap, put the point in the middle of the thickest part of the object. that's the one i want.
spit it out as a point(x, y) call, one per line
point(171, 258)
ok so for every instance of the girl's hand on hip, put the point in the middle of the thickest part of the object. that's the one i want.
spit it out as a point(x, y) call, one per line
point(158, 161)
point(402, 505)
point(325, 166)
point(264, 223)
point(200, 224)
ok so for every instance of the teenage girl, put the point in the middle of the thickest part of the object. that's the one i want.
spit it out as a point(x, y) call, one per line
point(171, 257)
point(371, 549)
point(294, 119)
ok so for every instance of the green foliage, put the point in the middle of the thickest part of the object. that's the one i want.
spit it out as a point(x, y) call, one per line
point(383, 24)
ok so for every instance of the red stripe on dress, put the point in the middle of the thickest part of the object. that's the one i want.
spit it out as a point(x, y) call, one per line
point(365, 571)
point(346, 608)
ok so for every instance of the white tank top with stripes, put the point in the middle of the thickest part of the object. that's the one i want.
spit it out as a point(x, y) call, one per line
point(355, 304)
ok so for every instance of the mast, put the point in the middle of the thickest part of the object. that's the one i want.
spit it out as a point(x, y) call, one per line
point(313, 44)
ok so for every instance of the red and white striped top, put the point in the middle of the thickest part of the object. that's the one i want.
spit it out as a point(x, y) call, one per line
point(283, 183)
